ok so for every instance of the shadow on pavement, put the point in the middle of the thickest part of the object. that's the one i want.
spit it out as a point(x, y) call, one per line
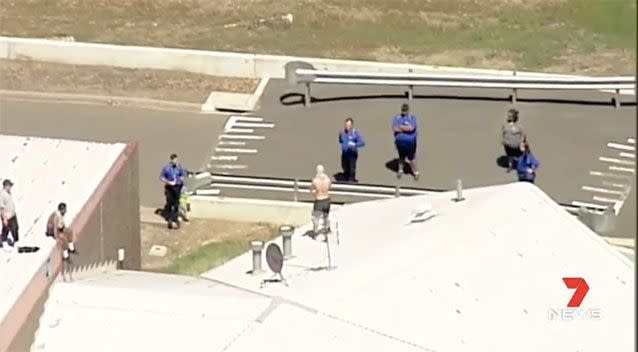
point(298, 99)
point(502, 161)
point(393, 165)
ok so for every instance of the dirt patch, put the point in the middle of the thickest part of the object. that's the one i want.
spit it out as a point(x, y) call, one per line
point(194, 235)
point(597, 63)
point(111, 81)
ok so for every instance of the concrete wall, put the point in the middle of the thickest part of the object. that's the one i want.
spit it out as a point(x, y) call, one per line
point(108, 221)
point(198, 61)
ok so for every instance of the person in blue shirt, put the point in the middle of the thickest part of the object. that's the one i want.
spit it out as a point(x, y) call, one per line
point(527, 164)
point(404, 127)
point(350, 141)
point(172, 176)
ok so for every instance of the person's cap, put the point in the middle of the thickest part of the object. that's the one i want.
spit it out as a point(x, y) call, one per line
point(405, 108)
point(173, 156)
point(6, 183)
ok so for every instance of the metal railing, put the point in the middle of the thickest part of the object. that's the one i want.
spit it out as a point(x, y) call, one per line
point(303, 73)
point(297, 188)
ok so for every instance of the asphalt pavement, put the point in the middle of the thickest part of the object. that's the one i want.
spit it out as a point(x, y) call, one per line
point(159, 133)
point(459, 137)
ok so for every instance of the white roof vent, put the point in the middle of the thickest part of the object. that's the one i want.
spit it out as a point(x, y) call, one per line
point(422, 213)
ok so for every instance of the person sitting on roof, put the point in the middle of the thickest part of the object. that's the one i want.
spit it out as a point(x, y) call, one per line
point(56, 228)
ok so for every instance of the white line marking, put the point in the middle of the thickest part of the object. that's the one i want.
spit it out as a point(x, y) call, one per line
point(202, 175)
point(224, 158)
point(605, 200)
point(616, 161)
point(248, 118)
point(631, 141)
point(236, 150)
point(624, 250)
point(602, 190)
point(229, 167)
point(628, 155)
point(620, 241)
point(624, 169)
point(621, 146)
point(231, 143)
point(248, 136)
point(589, 205)
point(240, 130)
point(254, 125)
point(618, 185)
point(609, 174)
point(207, 192)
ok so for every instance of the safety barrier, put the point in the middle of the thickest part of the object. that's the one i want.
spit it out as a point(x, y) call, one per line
point(357, 192)
point(298, 72)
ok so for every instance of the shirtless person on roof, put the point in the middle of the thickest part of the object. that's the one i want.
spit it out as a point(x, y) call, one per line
point(56, 228)
point(320, 189)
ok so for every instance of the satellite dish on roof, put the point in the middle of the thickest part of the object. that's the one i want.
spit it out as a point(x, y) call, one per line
point(275, 260)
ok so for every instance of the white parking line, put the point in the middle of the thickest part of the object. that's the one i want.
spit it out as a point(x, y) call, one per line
point(630, 148)
point(624, 169)
point(248, 118)
point(612, 184)
point(628, 155)
point(240, 130)
point(254, 125)
point(602, 190)
point(224, 158)
point(589, 205)
point(248, 136)
point(609, 175)
point(229, 167)
point(605, 200)
point(616, 161)
point(231, 143)
point(207, 192)
point(631, 141)
point(236, 150)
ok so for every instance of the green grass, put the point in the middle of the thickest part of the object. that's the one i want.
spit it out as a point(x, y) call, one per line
point(206, 258)
point(542, 34)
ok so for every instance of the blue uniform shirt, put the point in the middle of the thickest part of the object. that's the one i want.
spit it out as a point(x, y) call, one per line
point(527, 161)
point(353, 136)
point(404, 137)
point(172, 172)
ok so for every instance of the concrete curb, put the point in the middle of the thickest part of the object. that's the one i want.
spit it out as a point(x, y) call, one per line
point(101, 100)
point(227, 101)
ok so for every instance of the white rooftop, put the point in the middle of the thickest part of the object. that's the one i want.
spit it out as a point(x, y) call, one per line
point(481, 275)
point(45, 172)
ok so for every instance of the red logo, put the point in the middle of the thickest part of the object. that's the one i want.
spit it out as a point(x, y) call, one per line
point(581, 287)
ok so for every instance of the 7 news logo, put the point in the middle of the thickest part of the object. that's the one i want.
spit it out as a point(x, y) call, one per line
point(573, 310)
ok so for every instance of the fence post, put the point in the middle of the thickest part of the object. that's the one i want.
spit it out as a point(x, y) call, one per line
point(295, 195)
point(306, 97)
point(514, 92)
point(617, 99)
point(397, 190)
point(410, 93)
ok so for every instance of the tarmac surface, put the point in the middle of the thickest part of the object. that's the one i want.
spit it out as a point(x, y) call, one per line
point(159, 133)
point(459, 138)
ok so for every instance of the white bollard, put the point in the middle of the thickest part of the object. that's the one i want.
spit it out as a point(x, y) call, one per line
point(286, 232)
point(257, 247)
point(459, 191)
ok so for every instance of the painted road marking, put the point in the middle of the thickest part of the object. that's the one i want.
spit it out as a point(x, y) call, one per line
point(207, 192)
point(229, 167)
point(618, 185)
point(225, 158)
point(624, 169)
point(248, 118)
point(247, 136)
point(589, 205)
point(631, 141)
point(254, 125)
point(240, 130)
point(630, 148)
point(605, 200)
point(602, 190)
point(231, 143)
point(616, 161)
point(628, 155)
point(236, 150)
point(609, 175)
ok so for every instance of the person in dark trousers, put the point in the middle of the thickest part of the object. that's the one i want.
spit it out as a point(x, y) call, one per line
point(527, 164)
point(404, 127)
point(512, 137)
point(350, 140)
point(172, 176)
point(8, 216)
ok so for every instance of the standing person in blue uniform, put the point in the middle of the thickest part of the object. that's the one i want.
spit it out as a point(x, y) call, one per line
point(350, 141)
point(527, 164)
point(404, 127)
point(172, 176)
